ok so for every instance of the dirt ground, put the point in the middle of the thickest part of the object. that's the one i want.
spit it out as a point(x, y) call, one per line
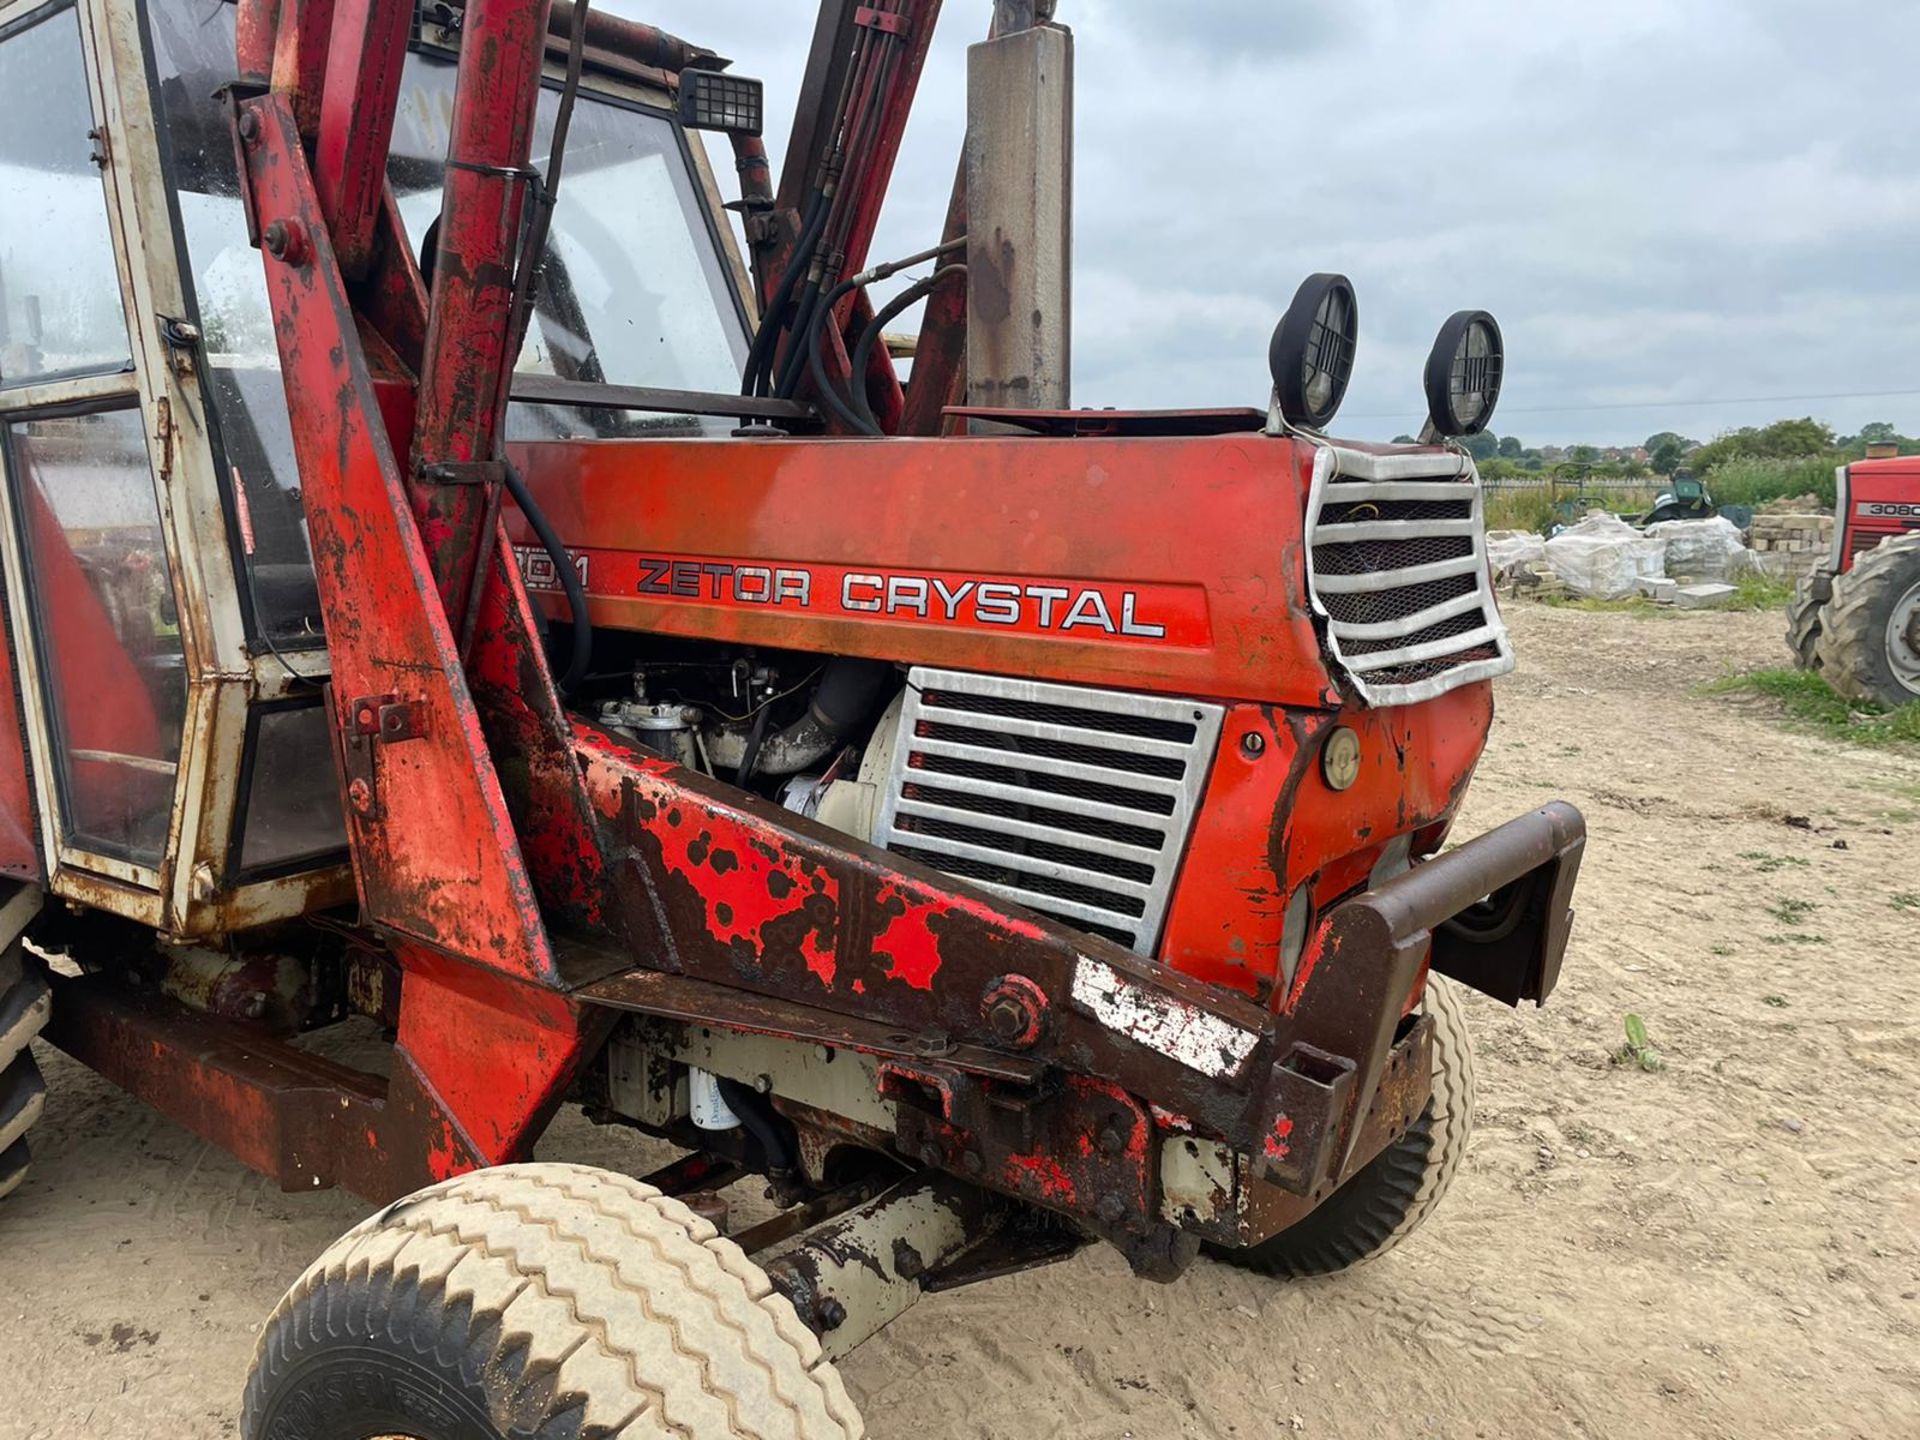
point(1727, 1247)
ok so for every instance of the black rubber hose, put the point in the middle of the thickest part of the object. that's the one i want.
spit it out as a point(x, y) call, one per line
point(569, 577)
point(857, 362)
point(762, 1124)
point(817, 364)
point(796, 359)
point(756, 737)
point(849, 691)
point(766, 338)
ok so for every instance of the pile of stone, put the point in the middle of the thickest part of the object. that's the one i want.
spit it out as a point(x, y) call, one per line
point(1790, 546)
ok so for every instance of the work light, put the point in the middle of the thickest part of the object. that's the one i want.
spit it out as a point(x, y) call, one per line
point(1463, 374)
point(712, 101)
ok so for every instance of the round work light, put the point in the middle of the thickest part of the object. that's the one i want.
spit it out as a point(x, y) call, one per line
point(1463, 374)
point(1312, 351)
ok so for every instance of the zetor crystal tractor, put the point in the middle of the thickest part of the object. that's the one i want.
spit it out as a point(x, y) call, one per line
point(480, 639)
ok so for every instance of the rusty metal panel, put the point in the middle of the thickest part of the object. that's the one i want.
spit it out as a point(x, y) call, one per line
point(444, 866)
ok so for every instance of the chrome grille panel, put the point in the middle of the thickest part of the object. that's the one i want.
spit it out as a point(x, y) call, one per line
point(1075, 803)
point(1397, 567)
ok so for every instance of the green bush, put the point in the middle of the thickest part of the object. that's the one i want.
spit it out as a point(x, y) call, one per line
point(1754, 480)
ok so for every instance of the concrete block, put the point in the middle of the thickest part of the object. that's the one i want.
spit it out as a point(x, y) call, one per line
point(1661, 591)
point(1698, 597)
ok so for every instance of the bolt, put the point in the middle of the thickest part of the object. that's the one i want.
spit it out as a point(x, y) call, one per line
point(1253, 743)
point(830, 1313)
point(932, 1043)
point(286, 241)
point(361, 794)
point(1110, 1140)
point(1112, 1209)
point(971, 1162)
point(1007, 1019)
point(249, 126)
point(930, 1154)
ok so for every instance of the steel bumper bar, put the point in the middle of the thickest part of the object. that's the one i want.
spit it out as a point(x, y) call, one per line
point(1493, 914)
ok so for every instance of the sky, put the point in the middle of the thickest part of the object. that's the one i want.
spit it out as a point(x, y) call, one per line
point(1686, 214)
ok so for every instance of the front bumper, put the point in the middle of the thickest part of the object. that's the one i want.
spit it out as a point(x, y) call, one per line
point(1493, 915)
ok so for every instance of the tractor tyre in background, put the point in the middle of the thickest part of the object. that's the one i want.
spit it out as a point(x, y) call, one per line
point(1806, 615)
point(1869, 646)
point(26, 1000)
point(1397, 1190)
point(537, 1301)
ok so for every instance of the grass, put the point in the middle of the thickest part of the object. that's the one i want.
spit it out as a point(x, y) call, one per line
point(1808, 700)
point(1754, 591)
point(1905, 900)
point(1790, 911)
point(1764, 862)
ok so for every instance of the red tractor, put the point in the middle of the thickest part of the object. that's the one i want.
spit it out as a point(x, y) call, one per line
point(476, 642)
point(1857, 619)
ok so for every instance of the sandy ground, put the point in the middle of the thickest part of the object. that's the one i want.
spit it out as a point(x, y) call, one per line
point(1729, 1247)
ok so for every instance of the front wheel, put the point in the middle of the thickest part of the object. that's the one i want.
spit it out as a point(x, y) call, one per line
point(1394, 1193)
point(1806, 616)
point(540, 1301)
point(1869, 644)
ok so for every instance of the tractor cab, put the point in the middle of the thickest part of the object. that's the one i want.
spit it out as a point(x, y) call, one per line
point(164, 614)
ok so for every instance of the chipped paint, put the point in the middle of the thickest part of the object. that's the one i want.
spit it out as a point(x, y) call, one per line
point(1184, 1032)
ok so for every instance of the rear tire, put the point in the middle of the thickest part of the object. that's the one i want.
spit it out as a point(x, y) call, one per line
point(1869, 645)
point(540, 1301)
point(1394, 1193)
point(1806, 617)
point(26, 1000)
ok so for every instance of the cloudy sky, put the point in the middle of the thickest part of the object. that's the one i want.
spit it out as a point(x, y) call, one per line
point(1687, 214)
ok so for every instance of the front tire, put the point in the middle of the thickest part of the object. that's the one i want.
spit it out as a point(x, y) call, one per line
point(1869, 644)
point(1394, 1193)
point(540, 1301)
point(1806, 617)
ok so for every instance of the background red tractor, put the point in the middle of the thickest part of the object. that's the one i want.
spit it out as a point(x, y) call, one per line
point(1857, 619)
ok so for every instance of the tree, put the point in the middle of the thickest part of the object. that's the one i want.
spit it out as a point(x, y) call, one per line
point(1483, 446)
point(1510, 447)
point(1879, 432)
point(1666, 457)
point(1583, 454)
point(1666, 437)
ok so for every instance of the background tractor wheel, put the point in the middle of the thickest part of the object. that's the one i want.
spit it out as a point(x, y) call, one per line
point(1401, 1186)
point(540, 1301)
point(1806, 614)
point(25, 1002)
point(1869, 644)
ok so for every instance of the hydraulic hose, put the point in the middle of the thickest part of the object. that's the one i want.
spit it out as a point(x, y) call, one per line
point(569, 577)
point(766, 339)
point(857, 362)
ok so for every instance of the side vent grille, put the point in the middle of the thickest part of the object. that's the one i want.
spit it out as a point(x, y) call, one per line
point(1071, 802)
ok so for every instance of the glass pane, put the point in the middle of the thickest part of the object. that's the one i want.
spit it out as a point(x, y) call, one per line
point(193, 53)
point(293, 805)
point(633, 290)
point(60, 310)
point(109, 638)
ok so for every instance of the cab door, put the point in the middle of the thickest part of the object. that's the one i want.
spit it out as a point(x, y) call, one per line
point(94, 625)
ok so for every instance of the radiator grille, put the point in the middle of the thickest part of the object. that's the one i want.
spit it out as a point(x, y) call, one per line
point(1397, 566)
point(1074, 803)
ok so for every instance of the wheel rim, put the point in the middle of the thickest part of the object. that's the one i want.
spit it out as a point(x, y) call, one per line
point(1903, 640)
